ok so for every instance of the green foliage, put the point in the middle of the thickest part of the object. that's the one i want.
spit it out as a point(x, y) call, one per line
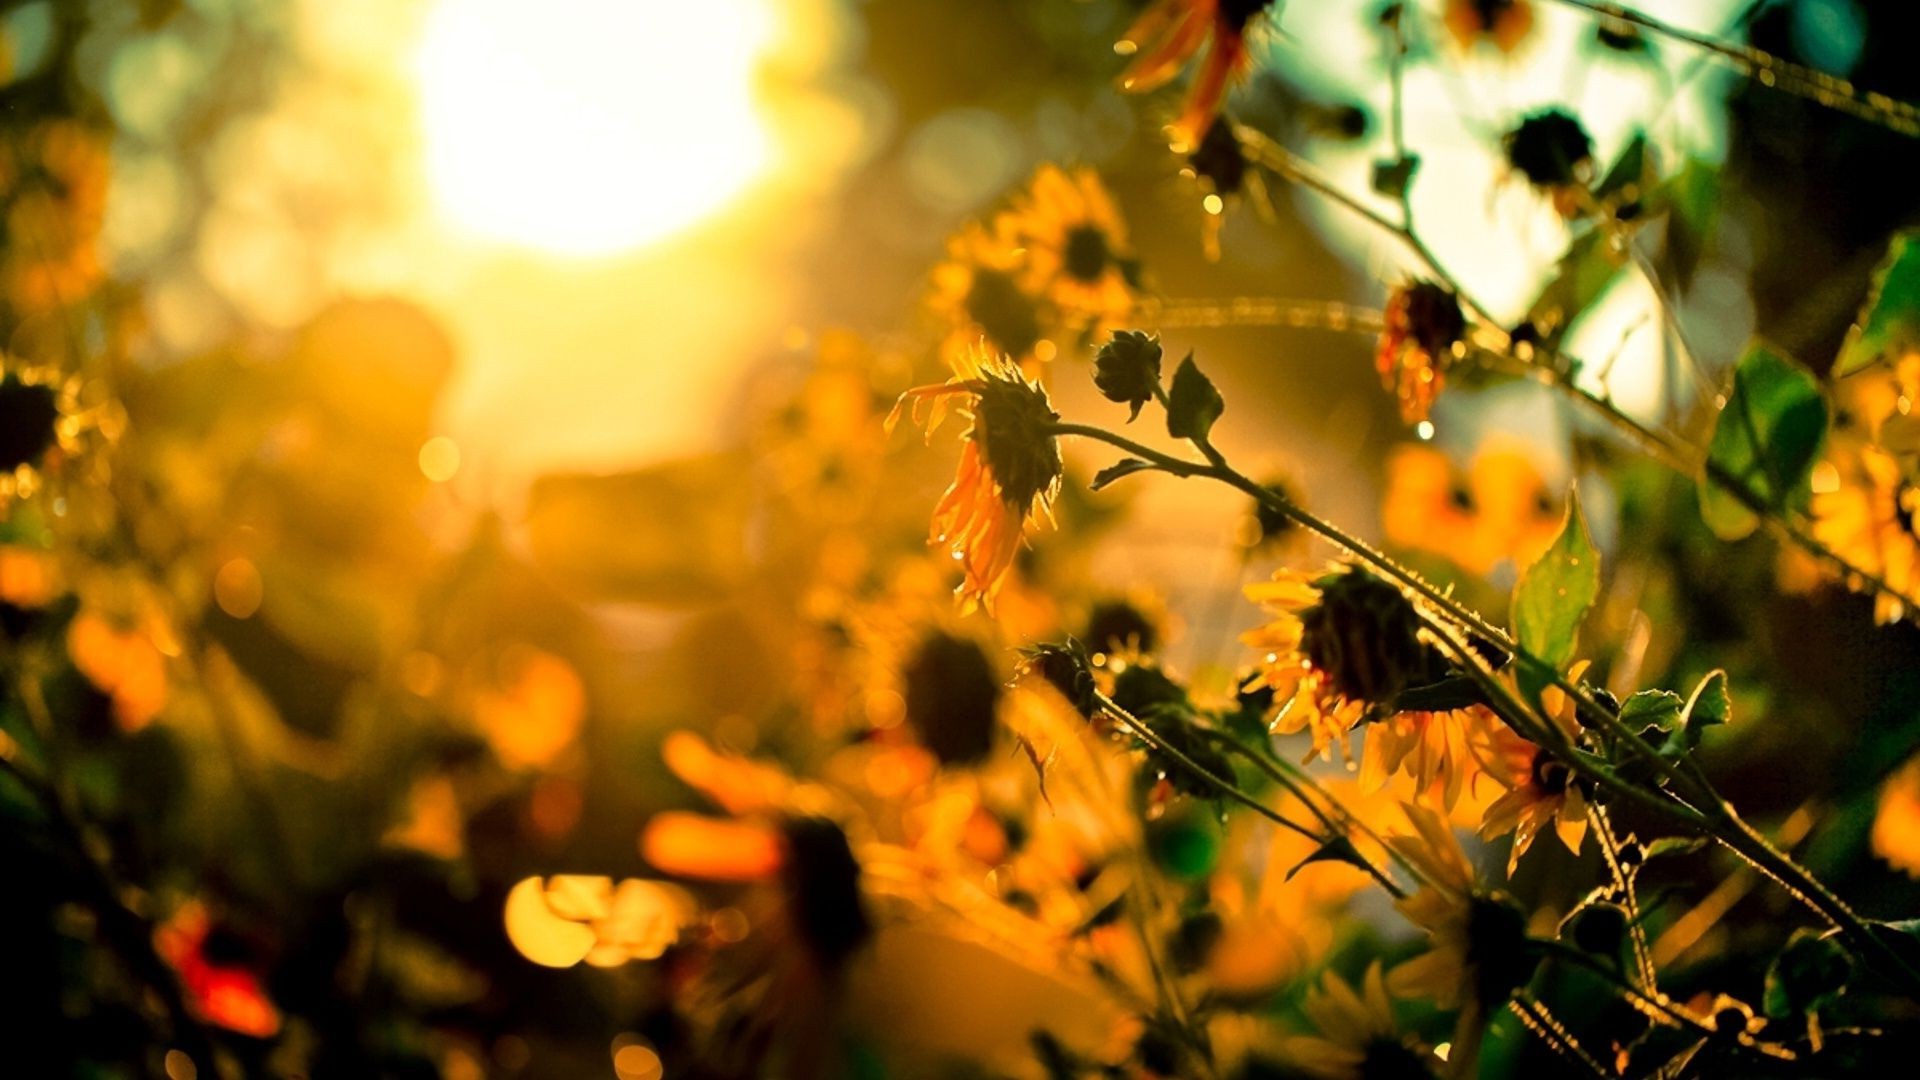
point(1338, 849)
point(1119, 470)
point(1192, 404)
point(1690, 201)
point(1553, 596)
point(1890, 322)
point(1582, 276)
point(1765, 441)
point(1812, 969)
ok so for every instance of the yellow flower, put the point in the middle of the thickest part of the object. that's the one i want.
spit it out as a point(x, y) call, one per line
point(1864, 507)
point(41, 423)
point(1170, 33)
point(1477, 951)
point(1500, 509)
point(53, 216)
point(1432, 748)
point(1338, 649)
point(1009, 469)
point(1421, 338)
point(1896, 823)
point(983, 290)
point(1504, 23)
point(1541, 794)
point(1076, 248)
point(1358, 1038)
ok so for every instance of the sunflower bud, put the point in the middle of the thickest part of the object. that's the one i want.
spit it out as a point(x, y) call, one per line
point(1363, 636)
point(1551, 150)
point(1067, 669)
point(1127, 369)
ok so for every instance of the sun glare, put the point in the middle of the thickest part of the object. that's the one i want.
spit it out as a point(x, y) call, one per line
point(590, 127)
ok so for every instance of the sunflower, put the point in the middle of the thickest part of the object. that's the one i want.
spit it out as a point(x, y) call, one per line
point(1009, 469)
point(1553, 151)
point(1504, 23)
point(1358, 1037)
point(1339, 648)
point(1076, 245)
point(1433, 748)
point(54, 212)
point(1541, 794)
point(1864, 508)
point(1500, 508)
point(1896, 820)
point(1170, 33)
point(1477, 951)
point(1422, 337)
point(983, 291)
point(40, 425)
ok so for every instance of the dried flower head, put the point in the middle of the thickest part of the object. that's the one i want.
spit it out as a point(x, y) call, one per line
point(1127, 369)
point(1424, 327)
point(1170, 33)
point(1009, 469)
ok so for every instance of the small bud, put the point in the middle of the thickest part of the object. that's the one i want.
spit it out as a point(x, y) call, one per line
point(1127, 369)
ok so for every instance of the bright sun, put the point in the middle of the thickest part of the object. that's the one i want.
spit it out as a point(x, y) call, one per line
point(590, 127)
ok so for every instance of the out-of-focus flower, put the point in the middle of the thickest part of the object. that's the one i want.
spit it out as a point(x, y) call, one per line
point(1503, 23)
point(1864, 507)
point(534, 712)
point(982, 291)
point(1896, 821)
point(40, 423)
point(55, 205)
point(1339, 648)
point(1432, 748)
point(1476, 954)
point(1554, 153)
point(824, 447)
point(1500, 509)
point(564, 919)
point(1170, 33)
point(1009, 469)
point(1358, 1037)
point(125, 665)
point(951, 692)
point(28, 578)
point(1076, 246)
point(1421, 338)
point(220, 987)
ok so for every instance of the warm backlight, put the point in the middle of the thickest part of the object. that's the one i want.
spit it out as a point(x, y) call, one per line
point(590, 127)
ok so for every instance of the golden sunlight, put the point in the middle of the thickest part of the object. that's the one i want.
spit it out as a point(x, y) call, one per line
point(590, 127)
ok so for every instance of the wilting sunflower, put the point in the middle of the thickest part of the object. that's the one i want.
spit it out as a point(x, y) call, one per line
point(983, 291)
point(1009, 468)
point(1170, 33)
point(1358, 1037)
point(1422, 337)
point(1503, 23)
point(40, 423)
point(1076, 246)
point(1477, 952)
point(1339, 648)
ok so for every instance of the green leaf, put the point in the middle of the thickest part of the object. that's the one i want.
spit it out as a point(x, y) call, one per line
point(1890, 322)
point(1652, 708)
point(1626, 178)
point(1582, 275)
point(1766, 440)
point(1691, 200)
point(1338, 849)
point(1553, 596)
point(1393, 176)
point(1810, 970)
point(1192, 403)
point(1710, 703)
point(1121, 469)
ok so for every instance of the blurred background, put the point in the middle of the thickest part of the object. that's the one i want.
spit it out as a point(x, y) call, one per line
point(465, 368)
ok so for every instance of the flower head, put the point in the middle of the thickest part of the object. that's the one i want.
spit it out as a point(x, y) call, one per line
point(1541, 794)
point(1170, 33)
point(983, 291)
point(1339, 649)
point(1076, 248)
point(1553, 151)
point(1866, 507)
point(1127, 369)
point(1504, 23)
point(1423, 333)
point(1358, 1037)
point(1499, 508)
point(1009, 470)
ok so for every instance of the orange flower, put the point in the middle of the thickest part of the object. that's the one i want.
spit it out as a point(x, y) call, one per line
point(1504, 23)
point(1500, 509)
point(123, 664)
point(1076, 246)
point(219, 991)
point(1009, 469)
point(984, 291)
point(1864, 507)
point(1423, 335)
point(53, 217)
point(1358, 1035)
point(1432, 748)
point(1541, 795)
point(1896, 822)
point(1170, 33)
